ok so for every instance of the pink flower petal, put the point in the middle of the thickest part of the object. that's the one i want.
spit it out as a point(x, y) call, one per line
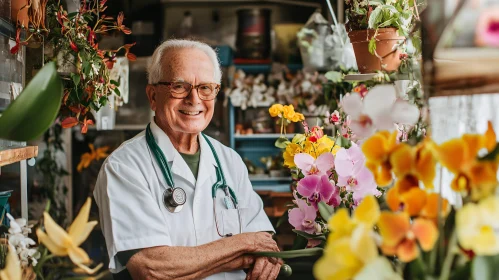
point(304, 161)
point(296, 217)
point(325, 189)
point(324, 163)
point(343, 180)
point(308, 185)
point(352, 105)
point(362, 130)
point(343, 164)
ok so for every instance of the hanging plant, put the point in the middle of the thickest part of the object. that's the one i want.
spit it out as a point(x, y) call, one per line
point(71, 39)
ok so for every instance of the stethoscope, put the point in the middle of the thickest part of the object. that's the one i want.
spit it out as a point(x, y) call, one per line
point(174, 198)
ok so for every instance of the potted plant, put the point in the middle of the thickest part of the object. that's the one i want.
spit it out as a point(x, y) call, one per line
point(377, 30)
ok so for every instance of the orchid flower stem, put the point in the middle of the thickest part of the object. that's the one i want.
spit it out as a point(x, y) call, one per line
point(282, 125)
point(449, 258)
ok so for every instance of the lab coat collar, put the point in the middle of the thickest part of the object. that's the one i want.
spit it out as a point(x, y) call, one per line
point(176, 162)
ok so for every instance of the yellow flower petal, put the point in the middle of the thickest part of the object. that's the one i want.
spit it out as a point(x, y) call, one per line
point(393, 227)
point(402, 159)
point(426, 233)
point(57, 234)
point(425, 167)
point(88, 270)
point(78, 255)
point(363, 245)
point(51, 245)
point(393, 199)
point(81, 236)
point(430, 210)
point(79, 226)
point(340, 225)
point(367, 212)
point(490, 137)
point(452, 155)
point(12, 270)
point(407, 251)
point(413, 201)
point(374, 148)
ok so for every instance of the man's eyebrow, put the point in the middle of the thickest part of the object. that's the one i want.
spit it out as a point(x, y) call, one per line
point(178, 79)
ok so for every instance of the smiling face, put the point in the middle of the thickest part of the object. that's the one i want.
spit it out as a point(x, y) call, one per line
point(189, 115)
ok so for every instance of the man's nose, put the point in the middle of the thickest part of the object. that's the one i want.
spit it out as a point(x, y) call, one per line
point(193, 97)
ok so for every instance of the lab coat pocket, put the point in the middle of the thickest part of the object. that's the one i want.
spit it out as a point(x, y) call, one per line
point(230, 221)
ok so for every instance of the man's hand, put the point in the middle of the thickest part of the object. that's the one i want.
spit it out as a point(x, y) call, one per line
point(258, 241)
point(264, 269)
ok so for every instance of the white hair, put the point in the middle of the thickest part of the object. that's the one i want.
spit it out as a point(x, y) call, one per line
point(155, 67)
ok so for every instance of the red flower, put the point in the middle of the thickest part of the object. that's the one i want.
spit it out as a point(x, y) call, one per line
point(110, 62)
point(69, 122)
point(128, 54)
point(18, 45)
point(86, 123)
point(91, 36)
point(73, 46)
point(119, 24)
point(403, 56)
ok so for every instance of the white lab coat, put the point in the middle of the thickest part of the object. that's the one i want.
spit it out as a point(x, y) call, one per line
point(129, 193)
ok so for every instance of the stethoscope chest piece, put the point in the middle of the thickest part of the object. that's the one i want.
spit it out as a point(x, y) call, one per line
point(174, 199)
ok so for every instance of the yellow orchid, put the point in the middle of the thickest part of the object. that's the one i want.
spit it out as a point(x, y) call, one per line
point(351, 245)
point(459, 156)
point(12, 270)
point(414, 163)
point(366, 215)
point(476, 226)
point(289, 154)
point(416, 202)
point(297, 117)
point(322, 145)
point(399, 236)
point(377, 150)
point(276, 110)
point(62, 243)
point(87, 158)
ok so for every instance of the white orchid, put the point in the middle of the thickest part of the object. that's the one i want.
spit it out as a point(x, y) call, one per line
point(379, 110)
point(18, 238)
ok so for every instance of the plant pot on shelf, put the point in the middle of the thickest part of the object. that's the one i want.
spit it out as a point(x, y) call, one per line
point(18, 14)
point(386, 56)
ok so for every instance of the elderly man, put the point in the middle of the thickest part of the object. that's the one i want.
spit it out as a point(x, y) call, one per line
point(174, 203)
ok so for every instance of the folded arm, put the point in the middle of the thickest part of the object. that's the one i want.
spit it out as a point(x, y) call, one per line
point(176, 262)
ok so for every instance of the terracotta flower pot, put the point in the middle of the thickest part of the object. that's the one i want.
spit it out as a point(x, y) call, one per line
point(385, 57)
point(17, 14)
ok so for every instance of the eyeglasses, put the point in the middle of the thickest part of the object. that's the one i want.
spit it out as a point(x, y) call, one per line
point(181, 90)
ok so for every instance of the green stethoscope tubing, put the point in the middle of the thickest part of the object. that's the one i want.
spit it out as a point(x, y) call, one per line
point(221, 183)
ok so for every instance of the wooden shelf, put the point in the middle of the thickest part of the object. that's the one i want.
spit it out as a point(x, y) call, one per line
point(14, 155)
point(261, 136)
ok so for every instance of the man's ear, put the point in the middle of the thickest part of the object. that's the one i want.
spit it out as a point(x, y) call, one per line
point(151, 95)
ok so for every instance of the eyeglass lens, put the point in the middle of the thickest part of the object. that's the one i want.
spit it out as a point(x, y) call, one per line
point(205, 91)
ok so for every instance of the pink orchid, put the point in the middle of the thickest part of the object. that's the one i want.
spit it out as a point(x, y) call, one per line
point(320, 166)
point(353, 174)
point(487, 28)
point(379, 109)
point(303, 217)
point(316, 189)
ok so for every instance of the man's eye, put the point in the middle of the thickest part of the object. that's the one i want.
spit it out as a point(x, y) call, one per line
point(177, 86)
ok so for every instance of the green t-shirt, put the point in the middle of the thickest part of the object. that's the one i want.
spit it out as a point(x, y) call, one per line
point(193, 163)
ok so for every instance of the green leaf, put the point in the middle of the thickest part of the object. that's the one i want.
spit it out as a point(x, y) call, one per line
point(375, 17)
point(299, 243)
point(36, 108)
point(376, 2)
point(310, 252)
point(343, 142)
point(117, 91)
point(333, 76)
point(461, 273)
point(76, 78)
point(310, 236)
point(485, 267)
point(281, 142)
point(298, 138)
point(114, 82)
point(325, 210)
point(372, 45)
point(87, 67)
